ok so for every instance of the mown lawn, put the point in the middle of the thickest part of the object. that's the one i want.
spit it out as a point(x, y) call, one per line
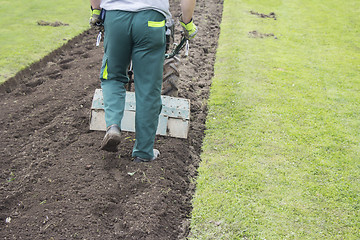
point(23, 41)
point(281, 156)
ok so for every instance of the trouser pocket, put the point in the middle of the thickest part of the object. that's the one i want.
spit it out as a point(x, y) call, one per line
point(149, 29)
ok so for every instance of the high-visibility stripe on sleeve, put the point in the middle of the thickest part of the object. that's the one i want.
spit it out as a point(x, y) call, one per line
point(156, 24)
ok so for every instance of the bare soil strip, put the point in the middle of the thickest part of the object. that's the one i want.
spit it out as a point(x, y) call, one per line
point(56, 184)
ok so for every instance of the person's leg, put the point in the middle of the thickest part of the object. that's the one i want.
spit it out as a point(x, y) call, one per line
point(148, 58)
point(117, 54)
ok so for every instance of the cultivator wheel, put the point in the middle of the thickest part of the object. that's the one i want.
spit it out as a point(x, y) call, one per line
point(170, 77)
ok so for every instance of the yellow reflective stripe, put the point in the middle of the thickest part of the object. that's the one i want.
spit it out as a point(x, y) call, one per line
point(156, 24)
point(96, 11)
point(105, 73)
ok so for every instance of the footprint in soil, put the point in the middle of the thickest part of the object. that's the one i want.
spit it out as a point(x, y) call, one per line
point(56, 75)
point(76, 53)
point(66, 61)
point(35, 83)
point(65, 66)
point(85, 55)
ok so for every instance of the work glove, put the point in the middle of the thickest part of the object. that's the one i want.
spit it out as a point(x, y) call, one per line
point(190, 29)
point(95, 19)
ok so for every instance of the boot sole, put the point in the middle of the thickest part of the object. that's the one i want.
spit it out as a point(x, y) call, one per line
point(110, 143)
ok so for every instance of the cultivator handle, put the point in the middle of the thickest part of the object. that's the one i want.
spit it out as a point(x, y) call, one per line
point(178, 48)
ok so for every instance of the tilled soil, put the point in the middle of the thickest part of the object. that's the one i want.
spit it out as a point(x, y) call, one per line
point(57, 184)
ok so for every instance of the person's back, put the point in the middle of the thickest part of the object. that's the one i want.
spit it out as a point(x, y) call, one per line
point(137, 5)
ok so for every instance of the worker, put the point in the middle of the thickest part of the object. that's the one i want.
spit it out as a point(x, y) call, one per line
point(135, 31)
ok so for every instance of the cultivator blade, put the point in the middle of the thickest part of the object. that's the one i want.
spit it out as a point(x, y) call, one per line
point(173, 119)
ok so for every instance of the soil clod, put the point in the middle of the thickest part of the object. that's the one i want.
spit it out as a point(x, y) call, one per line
point(262, 15)
point(51, 24)
point(256, 34)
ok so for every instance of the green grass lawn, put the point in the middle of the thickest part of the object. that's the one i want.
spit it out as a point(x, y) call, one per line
point(23, 41)
point(281, 156)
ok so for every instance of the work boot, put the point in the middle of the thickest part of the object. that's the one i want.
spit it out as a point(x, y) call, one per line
point(156, 155)
point(112, 139)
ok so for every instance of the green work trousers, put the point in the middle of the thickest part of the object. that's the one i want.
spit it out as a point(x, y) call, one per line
point(140, 37)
